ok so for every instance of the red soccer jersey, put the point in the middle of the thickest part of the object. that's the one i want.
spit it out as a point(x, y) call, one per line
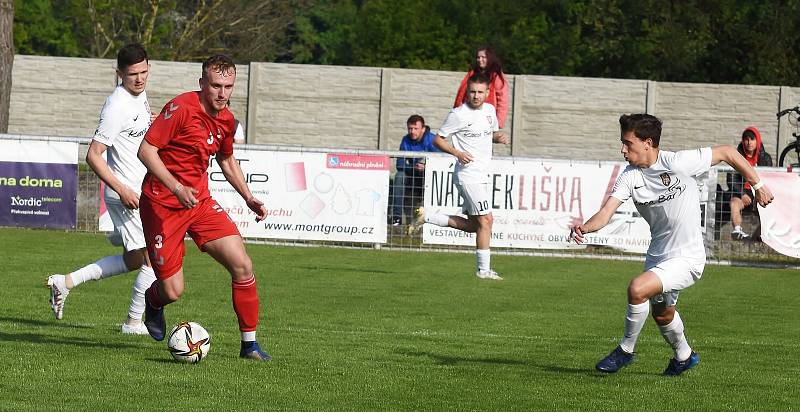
point(186, 137)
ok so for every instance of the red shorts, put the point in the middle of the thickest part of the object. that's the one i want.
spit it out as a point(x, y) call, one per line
point(165, 228)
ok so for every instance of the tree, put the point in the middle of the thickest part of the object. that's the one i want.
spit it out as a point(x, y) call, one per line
point(186, 30)
point(6, 59)
point(169, 29)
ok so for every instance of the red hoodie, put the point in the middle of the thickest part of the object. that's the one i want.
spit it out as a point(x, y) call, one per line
point(752, 159)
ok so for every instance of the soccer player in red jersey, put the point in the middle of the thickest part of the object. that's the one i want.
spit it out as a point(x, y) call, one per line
point(175, 199)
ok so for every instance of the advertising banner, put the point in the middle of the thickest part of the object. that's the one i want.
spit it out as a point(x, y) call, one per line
point(780, 226)
point(535, 202)
point(309, 196)
point(38, 184)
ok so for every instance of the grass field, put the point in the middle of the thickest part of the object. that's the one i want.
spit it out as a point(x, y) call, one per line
point(380, 330)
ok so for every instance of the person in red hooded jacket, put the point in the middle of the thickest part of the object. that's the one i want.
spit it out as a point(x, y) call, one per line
point(487, 63)
point(742, 196)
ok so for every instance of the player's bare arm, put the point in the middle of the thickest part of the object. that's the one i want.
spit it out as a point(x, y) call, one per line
point(95, 159)
point(233, 173)
point(596, 222)
point(148, 154)
point(501, 137)
point(732, 157)
point(442, 144)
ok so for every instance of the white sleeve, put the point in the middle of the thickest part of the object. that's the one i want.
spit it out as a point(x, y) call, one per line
point(623, 187)
point(238, 136)
point(110, 124)
point(692, 162)
point(452, 124)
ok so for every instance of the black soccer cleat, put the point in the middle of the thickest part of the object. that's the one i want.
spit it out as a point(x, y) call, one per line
point(615, 361)
point(154, 320)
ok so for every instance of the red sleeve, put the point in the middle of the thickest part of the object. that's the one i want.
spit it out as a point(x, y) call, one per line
point(501, 98)
point(462, 91)
point(167, 123)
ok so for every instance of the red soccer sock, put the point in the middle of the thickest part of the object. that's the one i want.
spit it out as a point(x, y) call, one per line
point(245, 303)
point(153, 297)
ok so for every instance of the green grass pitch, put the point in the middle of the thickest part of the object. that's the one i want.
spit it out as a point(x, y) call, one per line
point(385, 330)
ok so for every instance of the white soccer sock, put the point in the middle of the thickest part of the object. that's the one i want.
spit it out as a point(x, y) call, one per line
point(484, 259)
point(248, 336)
point(437, 218)
point(143, 281)
point(634, 321)
point(737, 229)
point(673, 334)
point(103, 268)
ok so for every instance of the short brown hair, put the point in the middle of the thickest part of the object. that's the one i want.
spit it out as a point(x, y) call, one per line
point(220, 63)
point(129, 55)
point(644, 126)
point(415, 118)
point(478, 77)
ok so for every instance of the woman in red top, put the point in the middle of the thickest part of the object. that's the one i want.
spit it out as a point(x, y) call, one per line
point(486, 62)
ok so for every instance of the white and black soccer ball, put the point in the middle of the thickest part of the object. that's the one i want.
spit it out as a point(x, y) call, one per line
point(189, 342)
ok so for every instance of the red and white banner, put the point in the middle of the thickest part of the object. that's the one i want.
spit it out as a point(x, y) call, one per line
point(309, 196)
point(780, 220)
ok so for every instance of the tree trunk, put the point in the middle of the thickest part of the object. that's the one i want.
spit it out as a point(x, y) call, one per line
point(6, 59)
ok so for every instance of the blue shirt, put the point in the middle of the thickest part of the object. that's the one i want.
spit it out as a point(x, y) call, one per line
point(425, 144)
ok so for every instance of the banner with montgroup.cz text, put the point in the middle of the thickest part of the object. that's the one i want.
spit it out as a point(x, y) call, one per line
point(309, 196)
point(535, 202)
point(38, 184)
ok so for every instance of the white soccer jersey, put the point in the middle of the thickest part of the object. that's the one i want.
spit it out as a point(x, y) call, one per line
point(123, 122)
point(472, 130)
point(667, 196)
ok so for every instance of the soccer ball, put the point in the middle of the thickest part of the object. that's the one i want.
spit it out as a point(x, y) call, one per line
point(189, 342)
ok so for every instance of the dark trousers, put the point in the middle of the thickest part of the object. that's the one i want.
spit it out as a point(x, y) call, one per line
point(406, 191)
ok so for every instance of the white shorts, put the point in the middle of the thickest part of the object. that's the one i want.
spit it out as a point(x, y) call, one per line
point(675, 274)
point(476, 198)
point(127, 224)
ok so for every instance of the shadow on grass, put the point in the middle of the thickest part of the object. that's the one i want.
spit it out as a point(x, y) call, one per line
point(453, 360)
point(48, 340)
point(591, 372)
point(43, 323)
point(167, 360)
point(347, 269)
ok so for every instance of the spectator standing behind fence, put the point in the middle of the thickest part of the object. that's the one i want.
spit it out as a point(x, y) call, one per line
point(411, 170)
point(742, 195)
point(487, 63)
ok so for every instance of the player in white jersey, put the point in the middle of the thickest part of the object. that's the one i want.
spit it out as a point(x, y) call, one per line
point(663, 188)
point(124, 119)
point(473, 127)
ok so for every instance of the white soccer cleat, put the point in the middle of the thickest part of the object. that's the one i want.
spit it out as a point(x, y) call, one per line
point(135, 329)
point(58, 294)
point(418, 222)
point(488, 274)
